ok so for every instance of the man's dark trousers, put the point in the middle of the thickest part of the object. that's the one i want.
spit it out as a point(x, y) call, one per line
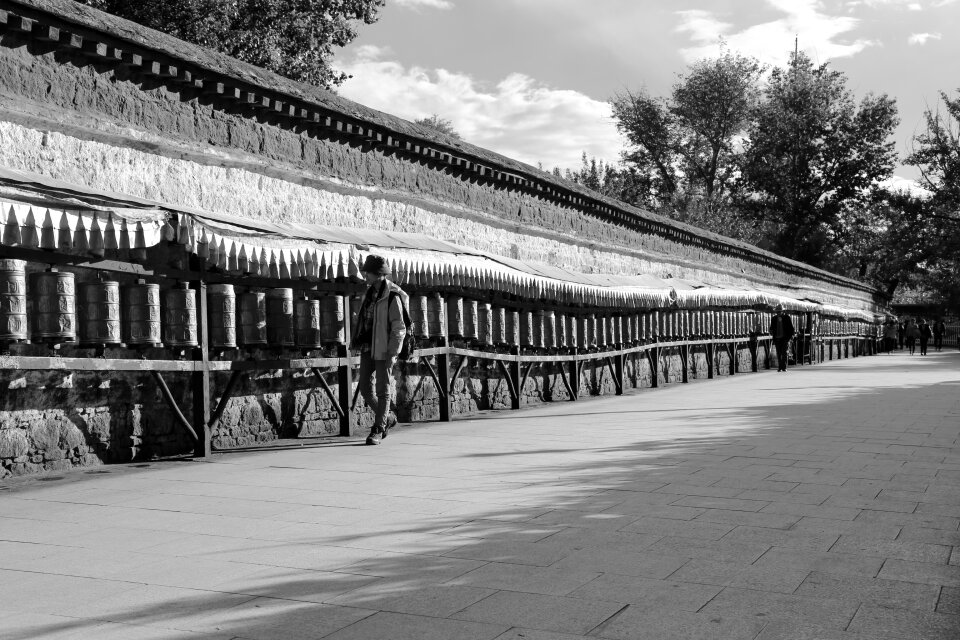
point(781, 346)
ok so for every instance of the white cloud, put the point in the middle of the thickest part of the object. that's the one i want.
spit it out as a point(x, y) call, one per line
point(923, 38)
point(819, 34)
point(899, 183)
point(424, 4)
point(517, 117)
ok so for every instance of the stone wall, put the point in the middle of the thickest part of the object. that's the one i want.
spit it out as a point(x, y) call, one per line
point(72, 116)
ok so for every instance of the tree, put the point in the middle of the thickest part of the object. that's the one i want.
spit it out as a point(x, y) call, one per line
point(440, 124)
point(686, 146)
point(294, 38)
point(812, 157)
point(936, 153)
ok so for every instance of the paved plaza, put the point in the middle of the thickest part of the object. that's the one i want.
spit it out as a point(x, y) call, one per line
point(819, 504)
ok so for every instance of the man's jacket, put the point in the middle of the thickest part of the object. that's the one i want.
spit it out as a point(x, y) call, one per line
point(786, 329)
point(389, 329)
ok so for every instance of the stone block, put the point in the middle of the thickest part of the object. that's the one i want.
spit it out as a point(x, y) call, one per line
point(13, 443)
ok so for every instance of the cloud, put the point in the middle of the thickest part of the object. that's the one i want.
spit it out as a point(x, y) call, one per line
point(518, 116)
point(424, 4)
point(922, 38)
point(820, 34)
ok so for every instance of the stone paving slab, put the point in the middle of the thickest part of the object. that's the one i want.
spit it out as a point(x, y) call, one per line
point(820, 504)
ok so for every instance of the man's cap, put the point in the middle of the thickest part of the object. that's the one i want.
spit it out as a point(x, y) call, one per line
point(376, 265)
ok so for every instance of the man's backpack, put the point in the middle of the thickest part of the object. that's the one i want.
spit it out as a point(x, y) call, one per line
point(409, 340)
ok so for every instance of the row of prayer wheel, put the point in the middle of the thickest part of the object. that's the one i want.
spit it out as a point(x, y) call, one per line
point(486, 324)
point(104, 313)
point(90, 314)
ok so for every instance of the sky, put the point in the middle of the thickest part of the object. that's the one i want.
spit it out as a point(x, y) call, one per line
point(531, 79)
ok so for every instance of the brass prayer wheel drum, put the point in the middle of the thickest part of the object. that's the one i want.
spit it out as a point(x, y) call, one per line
point(418, 317)
point(222, 304)
point(549, 329)
point(498, 325)
point(583, 332)
point(537, 329)
point(333, 320)
point(573, 332)
point(600, 331)
point(306, 318)
point(436, 316)
point(485, 323)
point(654, 318)
point(54, 306)
point(561, 330)
point(590, 333)
point(512, 326)
point(253, 319)
point(280, 317)
point(616, 335)
point(141, 316)
point(99, 313)
point(526, 329)
point(13, 301)
point(455, 324)
point(180, 317)
point(471, 320)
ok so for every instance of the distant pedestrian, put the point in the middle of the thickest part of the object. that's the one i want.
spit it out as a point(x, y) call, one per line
point(901, 333)
point(925, 335)
point(890, 332)
point(781, 328)
point(939, 330)
point(378, 336)
point(911, 332)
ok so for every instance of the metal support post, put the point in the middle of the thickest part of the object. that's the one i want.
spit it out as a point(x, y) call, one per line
point(443, 372)
point(348, 419)
point(200, 380)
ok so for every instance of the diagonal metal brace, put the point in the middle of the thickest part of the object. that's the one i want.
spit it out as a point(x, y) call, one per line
point(509, 379)
point(330, 394)
point(165, 390)
point(436, 379)
point(227, 393)
point(456, 373)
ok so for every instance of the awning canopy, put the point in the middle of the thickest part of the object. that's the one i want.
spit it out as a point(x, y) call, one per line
point(45, 213)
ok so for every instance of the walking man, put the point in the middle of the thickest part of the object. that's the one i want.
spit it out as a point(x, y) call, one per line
point(378, 336)
point(781, 328)
point(925, 335)
point(939, 329)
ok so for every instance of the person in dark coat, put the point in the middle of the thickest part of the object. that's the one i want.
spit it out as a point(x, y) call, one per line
point(925, 334)
point(781, 328)
point(939, 330)
point(901, 332)
point(911, 333)
point(378, 336)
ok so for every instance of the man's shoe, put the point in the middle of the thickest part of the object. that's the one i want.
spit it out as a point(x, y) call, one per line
point(375, 437)
point(391, 423)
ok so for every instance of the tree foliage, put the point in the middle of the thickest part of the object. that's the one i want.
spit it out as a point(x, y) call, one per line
point(294, 38)
point(440, 124)
point(685, 146)
point(812, 157)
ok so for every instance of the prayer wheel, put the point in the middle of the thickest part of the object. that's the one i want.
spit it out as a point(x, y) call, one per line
point(666, 326)
point(418, 317)
point(13, 301)
point(573, 338)
point(333, 320)
point(354, 302)
point(485, 323)
point(601, 327)
point(222, 304)
point(583, 332)
point(549, 329)
point(537, 329)
point(471, 319)
point(99, 313)
point(306, 319)
point(436, 316)
point(590, 331)
point(253, 319)
point(513, 327)
point(498, 322)
point(561, 330)
point(280, 317)
point(654, 325)
point(141, 319)
point(634, 328)
point(55, 307)
point(180, 317)
point(613, 324)
point(455, 309)
point(685, 329)
point(526, 329)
